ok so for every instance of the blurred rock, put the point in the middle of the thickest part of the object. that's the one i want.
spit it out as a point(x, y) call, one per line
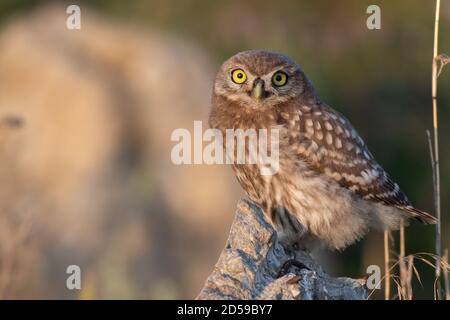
point(91, 160)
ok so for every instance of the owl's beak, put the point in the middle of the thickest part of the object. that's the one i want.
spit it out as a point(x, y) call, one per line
point(258, 89)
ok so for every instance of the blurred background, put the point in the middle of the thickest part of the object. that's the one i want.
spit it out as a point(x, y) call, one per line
point(86, 117)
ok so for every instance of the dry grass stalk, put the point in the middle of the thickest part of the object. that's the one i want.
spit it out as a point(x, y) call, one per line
point(428, 259)
point(446, 283)
point(406, 265)
point(406, 269)
point(387, 269)
point(436, 175)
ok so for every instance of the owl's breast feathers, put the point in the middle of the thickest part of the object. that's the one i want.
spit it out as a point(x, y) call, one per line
point(327, 141)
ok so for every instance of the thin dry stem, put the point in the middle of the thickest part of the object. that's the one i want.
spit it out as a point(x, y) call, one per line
point(446, 283)
point(406, 269)
point(437, 199)
point(425, 257)
point(402, 240)
point(387, 270)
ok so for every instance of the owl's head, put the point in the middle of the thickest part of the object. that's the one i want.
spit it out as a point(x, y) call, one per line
point(260, 79)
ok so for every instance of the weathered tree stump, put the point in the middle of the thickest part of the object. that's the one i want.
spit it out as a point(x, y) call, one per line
point(249, 266)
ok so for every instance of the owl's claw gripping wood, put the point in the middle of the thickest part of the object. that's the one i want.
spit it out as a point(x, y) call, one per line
point(288, 264)
point(253, 246)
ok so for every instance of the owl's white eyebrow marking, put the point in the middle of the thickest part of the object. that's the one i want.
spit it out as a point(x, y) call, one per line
point(238, 66)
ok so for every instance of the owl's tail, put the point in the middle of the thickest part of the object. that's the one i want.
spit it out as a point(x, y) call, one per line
point(420, 215)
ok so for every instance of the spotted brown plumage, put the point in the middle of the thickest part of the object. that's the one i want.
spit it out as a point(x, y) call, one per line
point(342, 155)
point(329, 188)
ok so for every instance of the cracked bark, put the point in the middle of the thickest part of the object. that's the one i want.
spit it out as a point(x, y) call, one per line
point(249, 265)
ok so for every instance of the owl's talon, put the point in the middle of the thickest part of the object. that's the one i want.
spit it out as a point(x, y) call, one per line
point(288, 264)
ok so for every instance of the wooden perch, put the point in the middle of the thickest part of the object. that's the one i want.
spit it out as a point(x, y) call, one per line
point(250, 263)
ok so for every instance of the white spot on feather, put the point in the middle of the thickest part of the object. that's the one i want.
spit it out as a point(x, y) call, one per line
point(329, 138)
point(338, 143)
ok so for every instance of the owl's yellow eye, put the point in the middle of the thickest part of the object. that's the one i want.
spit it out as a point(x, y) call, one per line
point(279, 79)
point(238, 76)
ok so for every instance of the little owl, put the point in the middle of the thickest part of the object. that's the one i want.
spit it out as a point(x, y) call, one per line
point(328, 189)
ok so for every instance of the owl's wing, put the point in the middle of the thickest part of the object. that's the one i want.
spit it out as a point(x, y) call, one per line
point(330, 144)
